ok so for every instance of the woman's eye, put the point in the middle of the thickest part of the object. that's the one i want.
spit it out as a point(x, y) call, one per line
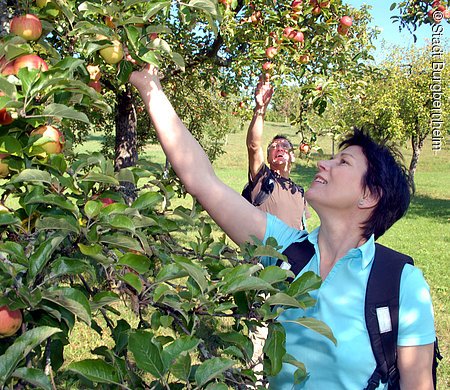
point(344, 161)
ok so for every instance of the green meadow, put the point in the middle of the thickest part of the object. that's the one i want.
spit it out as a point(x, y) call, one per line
point(424, 233)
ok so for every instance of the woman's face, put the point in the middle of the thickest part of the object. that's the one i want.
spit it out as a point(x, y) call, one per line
point(338, 183)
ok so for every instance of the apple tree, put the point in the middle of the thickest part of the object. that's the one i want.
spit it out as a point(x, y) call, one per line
point(82, 235)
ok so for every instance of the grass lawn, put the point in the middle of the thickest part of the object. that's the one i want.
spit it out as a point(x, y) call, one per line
point(424, 233)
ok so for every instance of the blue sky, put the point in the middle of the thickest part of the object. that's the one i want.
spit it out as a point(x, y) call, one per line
point(389, 30)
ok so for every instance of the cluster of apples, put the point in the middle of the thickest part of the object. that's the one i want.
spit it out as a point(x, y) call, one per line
point(29, 27)
point(296, 36)
point(443, 12)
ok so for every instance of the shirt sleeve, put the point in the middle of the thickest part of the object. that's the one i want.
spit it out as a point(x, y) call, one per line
point(416, 319)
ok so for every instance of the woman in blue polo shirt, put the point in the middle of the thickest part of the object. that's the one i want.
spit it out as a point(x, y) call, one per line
point(358, 195)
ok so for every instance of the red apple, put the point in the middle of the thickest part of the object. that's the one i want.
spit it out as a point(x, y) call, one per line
point(296, 5)
point(55, 144)
point(447, 14)
point(241, 104)
point(28, 26)
point(288, 31)
point(342, 30)
point(153, 36)
point(267, 66)
point(96, 85)
point(107, 201)
point(10, 321)
point(298, 36)
point(4, 167)
point(223, 93)
point(255, 17)
point(346, 21)
point(6, 67)
point(303, 59)
point(5, 118)
point(271, 52)
point(112, 54)
point(30, 61)
point(316, 11)
point(109, 22)
point(304, 148)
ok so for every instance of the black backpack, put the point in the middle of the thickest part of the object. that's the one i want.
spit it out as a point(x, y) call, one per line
point(267, 186)
point(386, 270)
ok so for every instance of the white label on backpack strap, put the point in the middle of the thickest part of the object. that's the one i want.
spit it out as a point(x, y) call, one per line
point(384, 319)
point(285, 265)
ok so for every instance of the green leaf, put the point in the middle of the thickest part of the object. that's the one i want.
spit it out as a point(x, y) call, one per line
point(300, 374)
point(212, 368)
point(133, 280)
point(63, 112)
point(241, 341)
point(195, 272)
point(274, 348)
point(121, 222)
point(33, 376)
point(69, 266)
point(22, 346)
point(392, 7)
point(95, 370)
point(9, 219)
point(92, 208)
point(15, 250)
point(181, 345)
point(95, 251)
point(304, 283)
point(284, 300)
point(102, 299)
point(139, 263)
point(10, 145)
point(147, 200)
point(120, 241)
point(246, 283)
point(56, 200)
point(273, 274)
point(32, 175)
point(61, 222)
point(317, 326)
point(40, 258)
point(179, 60)
point(100, 178)
point(207, 6)
point(8, 88)
point(181, 366)
point(146, 353)
point(71, 299)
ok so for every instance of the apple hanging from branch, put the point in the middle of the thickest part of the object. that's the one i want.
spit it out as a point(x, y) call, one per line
point(28, 26)
point(10, 321)
point(56, 138)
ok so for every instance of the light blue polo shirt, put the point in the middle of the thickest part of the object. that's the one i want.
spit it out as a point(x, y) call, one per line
point(340, 304)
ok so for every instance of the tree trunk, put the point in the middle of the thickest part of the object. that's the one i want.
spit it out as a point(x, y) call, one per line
point(126, 136)
point(417, 144)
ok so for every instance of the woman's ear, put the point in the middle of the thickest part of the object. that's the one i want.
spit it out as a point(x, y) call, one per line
point(368, 200)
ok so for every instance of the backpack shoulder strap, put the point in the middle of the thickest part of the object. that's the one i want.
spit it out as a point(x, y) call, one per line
point(381, 313)
point(299, 254)
point(267, 186)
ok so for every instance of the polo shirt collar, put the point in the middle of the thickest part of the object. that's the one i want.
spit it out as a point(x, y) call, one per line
point(366, 251)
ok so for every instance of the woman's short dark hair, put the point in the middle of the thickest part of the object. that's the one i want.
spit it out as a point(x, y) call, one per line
point(386, 178)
